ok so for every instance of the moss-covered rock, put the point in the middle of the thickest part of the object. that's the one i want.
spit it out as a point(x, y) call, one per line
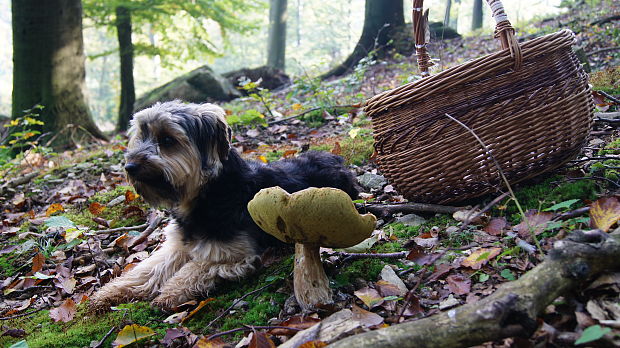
point(197, 86)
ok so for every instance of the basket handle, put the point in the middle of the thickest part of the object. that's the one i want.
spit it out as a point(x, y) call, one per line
point(503, 30)
point(506, 32)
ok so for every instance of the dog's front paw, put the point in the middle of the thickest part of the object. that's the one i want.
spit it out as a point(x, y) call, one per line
point(168, 302)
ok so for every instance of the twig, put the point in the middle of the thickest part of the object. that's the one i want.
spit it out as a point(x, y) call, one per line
point(501, 174)
point(251, 328)
point(146, 233)
point(353, 106)
point(381, 210)
point(21, 180)
point(593, 177)
point(408, 301)
point(100, 343)
point(609, 96)
point(237, 301)
point(29, 290)
point(603, 50)
point(600, 158)
point(571, 214)
point(90, 251)
point(483, 210)
point(357, 256)
point(22, 315)
point(122, 229)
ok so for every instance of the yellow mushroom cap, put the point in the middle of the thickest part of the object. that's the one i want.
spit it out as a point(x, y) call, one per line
point(323, 216)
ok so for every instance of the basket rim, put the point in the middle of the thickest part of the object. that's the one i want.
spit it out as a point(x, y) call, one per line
point(471, 70)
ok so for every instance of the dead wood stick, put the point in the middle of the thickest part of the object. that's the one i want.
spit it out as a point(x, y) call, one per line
point(354, 106)
point(382, 210)
point(357, 256)
point(100, 343)
point(483, 210)
point(603, 50)
point(609, 96)
point(122, 229)
point(251, 328)
point(571, 214)
point(146, 233)
point(512, 310)
point(23, 314)
point(605, 20)
point(20, 180)
point(608, 115)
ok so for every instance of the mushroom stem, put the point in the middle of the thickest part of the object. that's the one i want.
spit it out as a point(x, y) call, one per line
point(310, 281)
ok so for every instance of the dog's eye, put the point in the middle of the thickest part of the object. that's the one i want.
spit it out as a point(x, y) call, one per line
point(166, 141)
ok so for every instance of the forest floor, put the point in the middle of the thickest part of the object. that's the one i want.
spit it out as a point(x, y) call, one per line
point(71, 222)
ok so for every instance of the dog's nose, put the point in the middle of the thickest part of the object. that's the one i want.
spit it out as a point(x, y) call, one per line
point(131, 168)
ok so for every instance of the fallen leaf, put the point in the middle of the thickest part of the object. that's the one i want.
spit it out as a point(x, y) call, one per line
point(301, 322)
point(466, 215)
point(313, 344)
point(131, 334)
point(421, 257)
point(289, 153)
point(296, 106)
point(366, 318)
point(37, 262)
point(262, 159)
point(130, 196)
point(459, 284)
point(336, 150)
point(604, 213)
point(388, 289)
point(217, 342)
point(96, 208)
point(197, 309)
point(54, 208)
point(15, 333)
point(175, 318)
point(480, 257)
point(535, 222)
point(369, 296)
point(174, 334)
point(72, 233)
point(440, 270)
point(260, 340)
point(65, 312)
point(496, 226)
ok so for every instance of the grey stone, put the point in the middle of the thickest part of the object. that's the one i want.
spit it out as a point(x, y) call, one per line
point(411, 220)
point(372, 181)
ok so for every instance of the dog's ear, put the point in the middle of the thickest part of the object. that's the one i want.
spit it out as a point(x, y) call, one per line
point(221, 139)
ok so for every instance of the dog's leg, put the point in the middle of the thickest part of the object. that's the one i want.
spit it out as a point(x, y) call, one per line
point(211, 261)
point(196, 278)
point(145, 280)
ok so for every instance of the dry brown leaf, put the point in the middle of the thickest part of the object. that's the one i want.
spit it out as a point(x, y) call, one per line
point(459, 284)
point(260, 340)
point(480, 257)
point(96, 208)
point(535, 222)
point(366, 318)
point(388, 289)
point(37, 263)
point(604, 213)
point(131, 334)
point(296, 322)
point(130, 196)
point(197, 309)
point(213, 343)
point(496, 226)
point(65, 312)
point(369, 296)
point(313, 344)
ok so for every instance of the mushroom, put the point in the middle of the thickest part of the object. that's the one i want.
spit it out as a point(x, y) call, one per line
point(311, 218)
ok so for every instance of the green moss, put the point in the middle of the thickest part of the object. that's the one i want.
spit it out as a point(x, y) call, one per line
point(607, 80)
point(81, 216)
point(274, 155)
point(314, 119)
point(548, 192)
point(390, 247)
point(9, 264)
point(41, 331)
point(402, 231)
point(367, 269)
point(322, 147)
point(357, 150)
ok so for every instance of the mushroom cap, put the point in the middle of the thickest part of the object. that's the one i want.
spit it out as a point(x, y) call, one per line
point(323, 216)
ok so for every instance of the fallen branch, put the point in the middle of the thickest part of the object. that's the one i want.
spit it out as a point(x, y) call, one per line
point(357, 256)
point(572, 214)
point(605, 20)
point(23, 314)
point(146, 233)
point(353, 106)
point(100, 343)
point(24, 179)
point(510, 311)
point(383, 210)
point(603, 50)
point(251, 328)
point(609, 96)
point(122, 229)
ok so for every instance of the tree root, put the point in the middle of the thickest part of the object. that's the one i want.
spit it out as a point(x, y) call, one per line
point(513, 309)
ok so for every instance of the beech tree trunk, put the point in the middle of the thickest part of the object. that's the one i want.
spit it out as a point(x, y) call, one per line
point(128, 93)
point(382, 19)
point(276, 49)
point(476, 20)
point(446, 17)
point(48, 64)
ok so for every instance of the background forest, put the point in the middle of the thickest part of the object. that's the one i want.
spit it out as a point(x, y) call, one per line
point(319, 36)
point(495, 186)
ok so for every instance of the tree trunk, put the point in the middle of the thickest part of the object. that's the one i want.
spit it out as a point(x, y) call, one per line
point(48, 58)
point(382, 19)
point(276, 48)
point(128, 93)
point(446, 17)
point(476, 21)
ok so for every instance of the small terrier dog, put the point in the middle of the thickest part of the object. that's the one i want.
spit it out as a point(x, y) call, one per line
point(180, 157)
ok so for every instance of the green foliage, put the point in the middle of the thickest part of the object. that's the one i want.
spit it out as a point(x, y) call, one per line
point(402, 231)
point(550, 191)
point(357, 148)
point(592, 333)
point(24, 135)
point(189, 22)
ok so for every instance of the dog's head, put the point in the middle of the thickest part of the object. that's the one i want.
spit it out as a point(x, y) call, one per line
point(176, 148)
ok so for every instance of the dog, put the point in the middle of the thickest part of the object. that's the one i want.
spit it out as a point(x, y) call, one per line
point(180, 157)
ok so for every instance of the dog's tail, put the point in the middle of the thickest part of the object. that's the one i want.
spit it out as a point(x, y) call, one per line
point(328, 170)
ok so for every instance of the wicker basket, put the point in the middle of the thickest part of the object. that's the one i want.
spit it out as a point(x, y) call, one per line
point(529, 103)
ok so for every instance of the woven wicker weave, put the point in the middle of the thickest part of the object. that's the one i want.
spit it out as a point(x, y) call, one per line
point(532, 107)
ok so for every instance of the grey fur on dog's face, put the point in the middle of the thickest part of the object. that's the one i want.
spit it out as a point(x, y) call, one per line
point(175, 149)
